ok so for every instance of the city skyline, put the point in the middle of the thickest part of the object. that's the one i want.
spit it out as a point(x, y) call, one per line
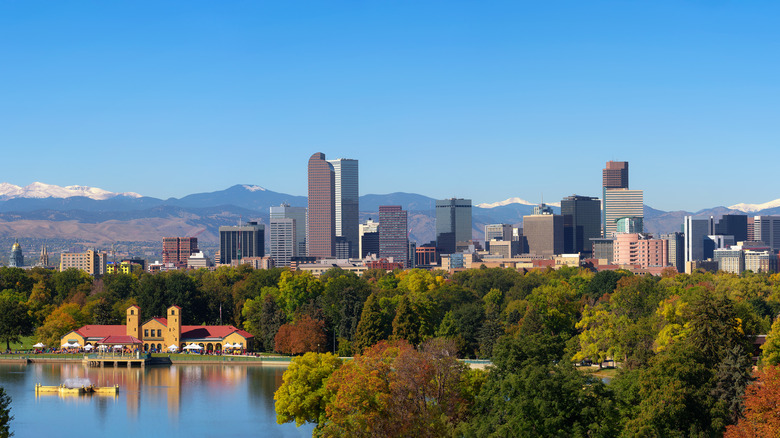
point(112, 93)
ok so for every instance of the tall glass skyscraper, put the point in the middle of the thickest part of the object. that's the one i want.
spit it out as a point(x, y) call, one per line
point(346, 203)
point(581, 222)
point(453, 223)
point(298, 214)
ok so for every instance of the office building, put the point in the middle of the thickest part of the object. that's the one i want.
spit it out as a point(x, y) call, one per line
point(503, 248)
point(343, 248)
point(426, 255)
point(321, 228)
point(620, 203)
point(346, 202)
point(177, 250)
point(284, 211)
point(733, 225)
point(453, 223)
point(730, 260)
point(581, 222)
point(696, 232)
point(629, 225)
point(544, 234)
point(767, 230)
point(604, 249)
point(613, 176)
point(761, 261)
point(393, 234)
point(640, 249)
point(675, 250)
point(92, 262)
point(498, 232)
point(282, 235)
point(368, 233)
point(238, 242)
point(543, 209)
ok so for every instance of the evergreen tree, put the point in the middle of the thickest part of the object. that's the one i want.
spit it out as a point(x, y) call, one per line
point(371, 328)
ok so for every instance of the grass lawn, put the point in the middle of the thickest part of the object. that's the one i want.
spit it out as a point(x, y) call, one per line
point(608, 373)
point(26, 344)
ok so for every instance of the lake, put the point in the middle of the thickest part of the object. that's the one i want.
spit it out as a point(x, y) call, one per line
point(166, 401)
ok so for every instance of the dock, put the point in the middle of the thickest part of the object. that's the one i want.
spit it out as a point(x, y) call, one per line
point(116, 360)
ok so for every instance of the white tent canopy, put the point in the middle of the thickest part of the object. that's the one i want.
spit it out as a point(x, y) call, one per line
point(71, 345)
point(39, 345)
point(88, 347)
point(227, 345)
point(193, 347)
point(173, 347)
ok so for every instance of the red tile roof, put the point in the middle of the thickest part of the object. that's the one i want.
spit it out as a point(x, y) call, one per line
point(121, 340)
point(101, 331)
point(211, 331)
point(161, 320)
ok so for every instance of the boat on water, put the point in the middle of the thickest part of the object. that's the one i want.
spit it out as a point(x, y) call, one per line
point(64, 390)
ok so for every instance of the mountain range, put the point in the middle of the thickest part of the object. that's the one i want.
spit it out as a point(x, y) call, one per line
point(99, 217)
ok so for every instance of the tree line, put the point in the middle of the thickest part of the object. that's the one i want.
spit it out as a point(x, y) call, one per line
point(684, 343)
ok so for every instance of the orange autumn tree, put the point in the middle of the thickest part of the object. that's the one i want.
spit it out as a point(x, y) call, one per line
point(394, 390)
point(762, 407)
point(305, 335)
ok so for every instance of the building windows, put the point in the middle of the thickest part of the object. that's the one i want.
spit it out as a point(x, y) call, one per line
point(146, 333)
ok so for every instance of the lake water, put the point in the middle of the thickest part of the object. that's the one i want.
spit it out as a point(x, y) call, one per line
point(168, 401)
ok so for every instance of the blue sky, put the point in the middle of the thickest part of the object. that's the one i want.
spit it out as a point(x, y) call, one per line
point(484, 100)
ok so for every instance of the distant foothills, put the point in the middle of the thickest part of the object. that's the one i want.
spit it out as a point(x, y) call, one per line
point(99, 217)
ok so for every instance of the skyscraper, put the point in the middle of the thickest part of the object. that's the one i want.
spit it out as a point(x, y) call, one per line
point(284, 211)
point(613, 176)
point(321, 229)
point(393, 234)
point(177, 250)
point(676, 250)
point(733, 225)
point(620, 203)
point(283, 244)
point(544, 234)
point(696, 232)
point(238, 242)
point(581, 222)
point(347, 202)
point(369, 238)
point(767, 230)
point(453, 223)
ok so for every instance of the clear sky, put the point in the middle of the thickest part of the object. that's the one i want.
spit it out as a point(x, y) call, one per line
point(483, 100)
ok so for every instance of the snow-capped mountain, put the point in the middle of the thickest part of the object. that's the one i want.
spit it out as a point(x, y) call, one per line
point(751, 208)
point(41, 190)
point(514, 201)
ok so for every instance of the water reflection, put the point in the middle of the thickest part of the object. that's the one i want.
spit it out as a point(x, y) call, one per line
point(199, 400)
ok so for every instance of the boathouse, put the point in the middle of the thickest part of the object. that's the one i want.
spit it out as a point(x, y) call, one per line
point(159, 333)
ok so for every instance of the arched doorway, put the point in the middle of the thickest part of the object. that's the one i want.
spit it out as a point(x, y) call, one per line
point(209, 347)
point(219, 347)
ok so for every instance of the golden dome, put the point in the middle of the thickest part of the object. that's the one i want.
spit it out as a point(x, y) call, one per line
point(16, 247)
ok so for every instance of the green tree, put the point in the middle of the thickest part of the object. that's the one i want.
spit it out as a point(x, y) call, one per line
point(406, 324)
point(770, 351)
point(372, 327)
point(15, 322)
point(302, 397)
point(530, 393)
point(297, 290)
point(5, 414)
